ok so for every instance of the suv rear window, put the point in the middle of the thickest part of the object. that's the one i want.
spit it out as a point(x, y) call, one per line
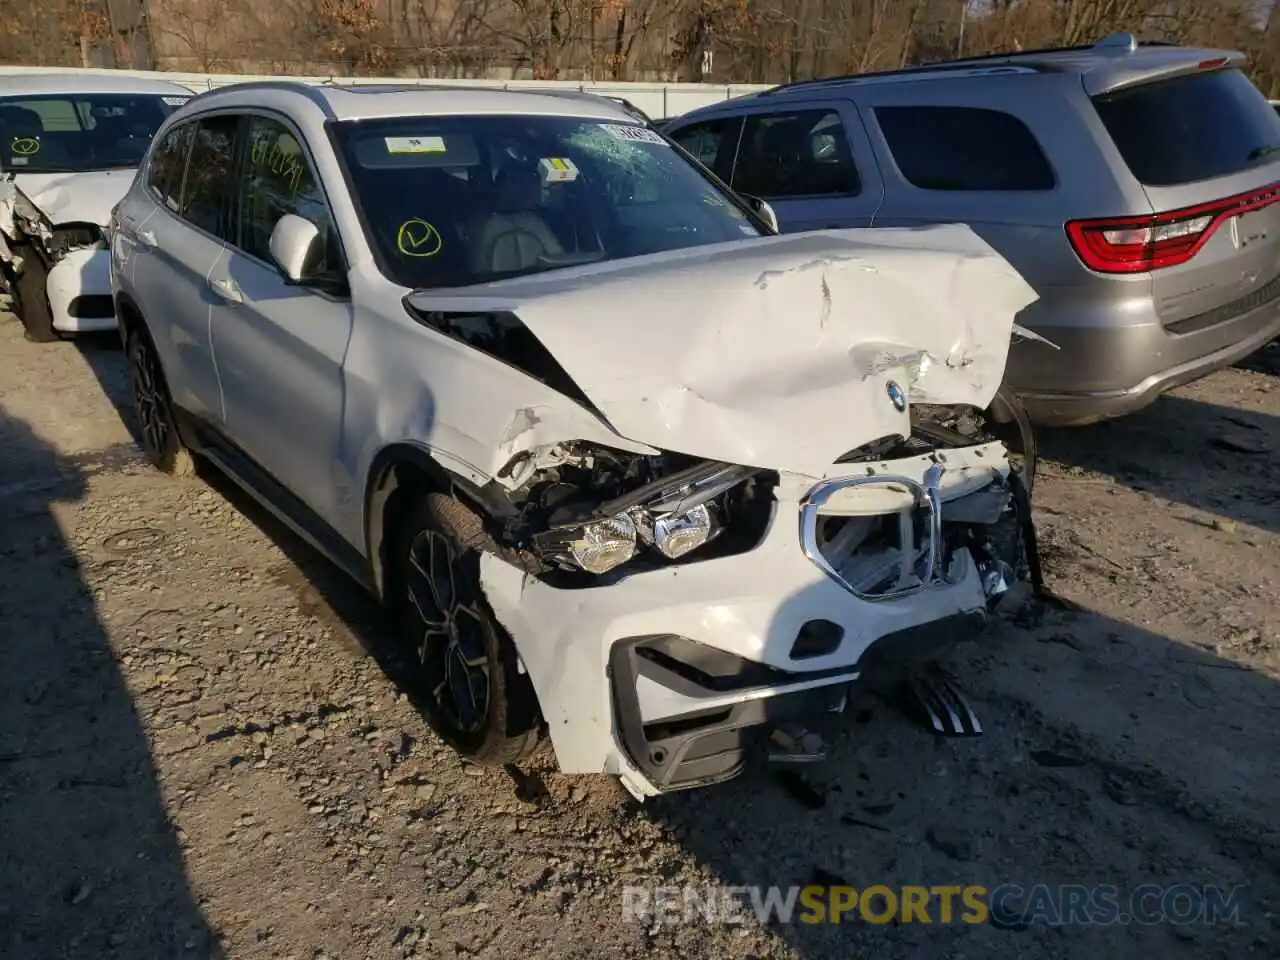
point(1190, 128)
point(964, 148)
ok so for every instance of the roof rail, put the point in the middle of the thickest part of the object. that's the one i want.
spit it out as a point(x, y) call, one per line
point(1115, 41)
point(309, 90)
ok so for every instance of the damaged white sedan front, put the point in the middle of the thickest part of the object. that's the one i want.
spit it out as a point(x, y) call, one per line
point(69, 147)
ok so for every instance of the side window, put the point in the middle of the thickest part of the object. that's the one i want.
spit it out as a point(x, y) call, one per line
point(168, 164)
point(279, 180)
point(964, 148)
point(714, 143)
point(799, 154)
point(208, 181)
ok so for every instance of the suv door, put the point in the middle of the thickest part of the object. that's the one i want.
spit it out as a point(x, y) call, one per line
point(280, 347)
point(812, 162)
point(172, 237)
point(713, 143)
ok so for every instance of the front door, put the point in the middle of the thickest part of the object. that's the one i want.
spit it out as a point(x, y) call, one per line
point(280, 347)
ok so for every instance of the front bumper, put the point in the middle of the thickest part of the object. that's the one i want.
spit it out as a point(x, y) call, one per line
point(79, 288)
point(659, 677)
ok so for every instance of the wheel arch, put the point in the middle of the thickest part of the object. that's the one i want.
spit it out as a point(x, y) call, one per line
point(129, 317)
point(399, 474)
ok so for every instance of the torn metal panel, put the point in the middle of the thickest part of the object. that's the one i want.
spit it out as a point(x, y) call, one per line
point(777, 352)
point(80, 197)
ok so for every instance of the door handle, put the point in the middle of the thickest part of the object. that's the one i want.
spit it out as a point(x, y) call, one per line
point(228, 290)
point(146, 238)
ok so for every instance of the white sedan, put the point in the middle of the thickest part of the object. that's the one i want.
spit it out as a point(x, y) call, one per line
point(69, 147)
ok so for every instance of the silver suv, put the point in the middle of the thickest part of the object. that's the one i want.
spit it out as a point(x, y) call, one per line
point(1135, 186)
point(629, 468)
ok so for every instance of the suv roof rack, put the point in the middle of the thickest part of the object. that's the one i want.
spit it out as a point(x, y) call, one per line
point(1125, 42)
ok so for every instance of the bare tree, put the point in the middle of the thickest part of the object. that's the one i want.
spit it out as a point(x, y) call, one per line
point(195, 33)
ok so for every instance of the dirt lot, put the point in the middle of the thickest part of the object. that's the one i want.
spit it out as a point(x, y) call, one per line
point(202, 743)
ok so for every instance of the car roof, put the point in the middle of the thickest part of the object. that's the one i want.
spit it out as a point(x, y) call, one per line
point(379, 101)
point(1114, 62)
point(39, 84)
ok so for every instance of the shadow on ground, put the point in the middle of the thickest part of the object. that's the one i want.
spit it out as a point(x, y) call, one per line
point(90, 865)
point(1221, 460)
point(1113, 755)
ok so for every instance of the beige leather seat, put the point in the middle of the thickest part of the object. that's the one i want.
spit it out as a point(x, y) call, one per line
point(514, 237)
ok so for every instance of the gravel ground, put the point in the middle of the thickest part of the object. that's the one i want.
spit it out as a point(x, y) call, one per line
point(203, 749)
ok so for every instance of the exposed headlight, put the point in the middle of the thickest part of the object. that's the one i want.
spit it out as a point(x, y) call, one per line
point(600, 546)
point(674, 535)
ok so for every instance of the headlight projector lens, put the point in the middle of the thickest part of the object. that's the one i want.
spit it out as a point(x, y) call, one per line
point(676, 534)
point(605, 544)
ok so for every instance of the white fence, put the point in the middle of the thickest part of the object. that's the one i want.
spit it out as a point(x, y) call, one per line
point(658, 100)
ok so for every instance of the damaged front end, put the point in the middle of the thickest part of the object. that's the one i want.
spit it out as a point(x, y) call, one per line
point(673, 610)
point(67, 264)
point(728, 563)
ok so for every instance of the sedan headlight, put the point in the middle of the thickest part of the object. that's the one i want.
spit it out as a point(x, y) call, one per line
point(599, 547)
point(674, 535)
point(664, 519)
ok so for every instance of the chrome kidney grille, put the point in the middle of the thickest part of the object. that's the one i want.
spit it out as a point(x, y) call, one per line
point(877, 556)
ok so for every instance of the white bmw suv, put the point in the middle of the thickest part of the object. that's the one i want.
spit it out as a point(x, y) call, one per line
point(633, 471)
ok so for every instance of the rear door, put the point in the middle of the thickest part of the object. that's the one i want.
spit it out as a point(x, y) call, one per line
point(172, 245)
point(1205, 147)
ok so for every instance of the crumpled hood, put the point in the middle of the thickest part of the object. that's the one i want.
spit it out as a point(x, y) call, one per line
point(80, 197)
point(773, 352)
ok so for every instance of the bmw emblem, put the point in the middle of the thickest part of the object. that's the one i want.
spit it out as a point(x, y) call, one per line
point(898, 396)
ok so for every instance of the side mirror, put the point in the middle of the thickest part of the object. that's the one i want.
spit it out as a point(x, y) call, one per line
point(763, 211)
point(294, 244)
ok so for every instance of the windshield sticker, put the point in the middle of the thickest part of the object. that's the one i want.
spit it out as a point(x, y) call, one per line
point(174, 101)
point(415, 145)
point(19, 161)
point(24, 146)
point(557, 170)
point(631, 133)
point(417, 238)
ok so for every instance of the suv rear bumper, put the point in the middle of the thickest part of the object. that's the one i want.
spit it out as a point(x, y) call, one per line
point(1141, 362)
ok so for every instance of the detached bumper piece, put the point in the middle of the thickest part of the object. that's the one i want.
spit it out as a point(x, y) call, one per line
point(705, 707)
point(687, 713)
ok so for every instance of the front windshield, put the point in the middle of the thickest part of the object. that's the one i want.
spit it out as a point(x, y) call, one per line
point(453, 201)
point(75, 133)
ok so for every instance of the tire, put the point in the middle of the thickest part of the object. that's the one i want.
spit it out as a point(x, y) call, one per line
point(461, 653)
point(32, 299)
point(1017, 434)
point(157, 428)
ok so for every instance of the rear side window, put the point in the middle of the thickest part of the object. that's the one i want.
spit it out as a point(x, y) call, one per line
point(803, 153)
point(168, 163)
point(1191, 128)
point(964, 148)
point(208, 184)
point(713, 143)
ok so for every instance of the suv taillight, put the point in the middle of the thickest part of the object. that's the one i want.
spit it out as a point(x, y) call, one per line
point(1140, 244)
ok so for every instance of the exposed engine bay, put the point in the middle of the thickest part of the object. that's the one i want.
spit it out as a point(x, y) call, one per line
point(592, 514)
